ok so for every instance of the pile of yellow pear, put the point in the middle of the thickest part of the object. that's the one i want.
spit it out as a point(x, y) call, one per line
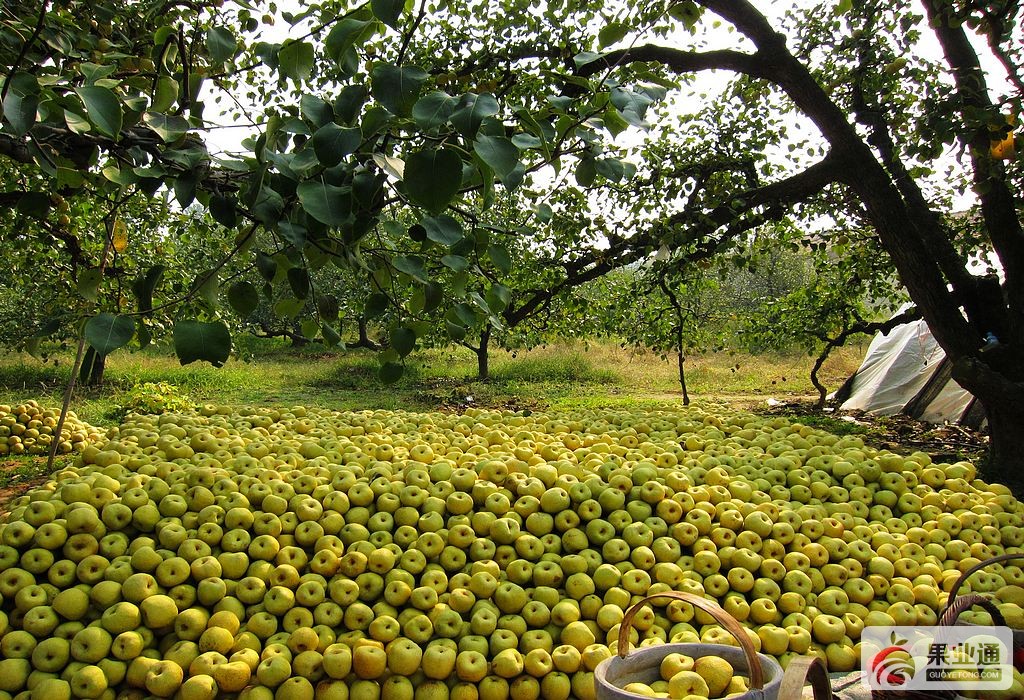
point(29, 428)
point(296, 554)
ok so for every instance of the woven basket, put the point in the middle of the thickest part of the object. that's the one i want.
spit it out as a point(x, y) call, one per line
point(948, 618)
point(643, 664)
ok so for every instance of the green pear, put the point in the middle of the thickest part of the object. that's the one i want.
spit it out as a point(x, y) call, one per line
point(164, 678)
point(88, 682)
point(198, 688)
point(51, 689)
point(295, 688)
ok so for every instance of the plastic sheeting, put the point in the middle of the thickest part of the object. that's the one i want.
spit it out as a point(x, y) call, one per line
point(896, 368)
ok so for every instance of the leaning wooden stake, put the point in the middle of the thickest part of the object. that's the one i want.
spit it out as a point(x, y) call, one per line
point(80, 352)
point(55, 443)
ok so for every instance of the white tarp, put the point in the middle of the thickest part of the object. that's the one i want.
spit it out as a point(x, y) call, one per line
point(896, 369)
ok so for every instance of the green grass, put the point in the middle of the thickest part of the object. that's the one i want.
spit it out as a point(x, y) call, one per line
point(559, 376)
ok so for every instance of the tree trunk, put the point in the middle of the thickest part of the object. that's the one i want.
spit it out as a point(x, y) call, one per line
point(298, 340)
point(1005, 461)
point(680, 358)
point(916, 242)
point(996, 378)
point(482, 360)
point(364, 337)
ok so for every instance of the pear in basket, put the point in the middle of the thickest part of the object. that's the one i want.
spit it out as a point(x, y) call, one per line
point(674, 663)
point(738, 685)
point(688, 683)
point(716, 672)
point(641, 689)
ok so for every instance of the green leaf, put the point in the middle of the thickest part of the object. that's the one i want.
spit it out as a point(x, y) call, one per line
point(289, 307)
point(586, 172)
point(455, 331)
point(327, 204)
point(498, 298)
point(686, 12)
point(387, 11)
point(472, 110)
point(120, 176)
point(309, 328)
point(613, 121)
point(499, 255)
point(165, 93)
point(348, 103)
point(185, 189)
point(244, 298)
point(76, 122)
point(331, 337)
point(20, 112)
point(376, 305)
point(331, 143)
point(167, 127)
point(21, 103)
point(584, 57)
point(433, 110)
point(397, 88)
point(295, 60)
point(465, 313)
point(632, 105)
point(221, 44)
point(224, 210)
point(49, 327)
point(89, 283)
point(433, 177)
point(293, 233)
point(195, 340)
point(316, 110)
point(267, 266)
point(298, 280)
point(455, 262)
point(403, 340)
point(344, 36)
point(611, 168)
point(207, 285)
point(391, 372)
point(498, 152)
point(327, 307)
point(442, 229)
point(103, 109)
point(107, 332)
point(611, 33)
point(411, 265)
point(145, 285)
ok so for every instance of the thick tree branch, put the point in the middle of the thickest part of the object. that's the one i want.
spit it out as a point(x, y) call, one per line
point(692, 230)
point(14, 148)
point(678, 61)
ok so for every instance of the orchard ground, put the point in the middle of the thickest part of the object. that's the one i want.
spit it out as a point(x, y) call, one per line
point(559, 376)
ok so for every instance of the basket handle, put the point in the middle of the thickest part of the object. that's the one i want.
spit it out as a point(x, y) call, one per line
point(801, 670)
point(973, 570)
point(721, 617)
point(958, 606)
